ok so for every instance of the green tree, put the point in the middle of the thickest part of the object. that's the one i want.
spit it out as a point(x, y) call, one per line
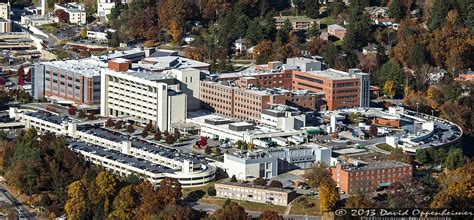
point(336, 7)
point(393, 72)
point(455, 159)
point(330, 54)
point(76, 205)
point(439, 10)
point(423, 156)
point(329, 196)
point(83, 33)
point(233, 179)
point(396, 10)
point(358, 31)
point(417, 56)
point(312, 8)
point(313, 31)
point(354, 117)
point(125, 204)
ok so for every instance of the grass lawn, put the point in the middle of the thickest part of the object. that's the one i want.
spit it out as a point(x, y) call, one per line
point(369, 155)
point(384, 147)
point(338, 43)
point(327, 21)
point(50, 28)
point(311, 209)
point(249, 206)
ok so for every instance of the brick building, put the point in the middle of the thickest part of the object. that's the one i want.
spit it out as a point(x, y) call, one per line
point(369, 176)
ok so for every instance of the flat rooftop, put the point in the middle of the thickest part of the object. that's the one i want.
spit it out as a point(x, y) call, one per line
point(212, 117)
point(85, 67)
point(250, 185)
point(378, 165)
point(49, 117)
point(119, 157)
point(175, 62)
point(150, 147)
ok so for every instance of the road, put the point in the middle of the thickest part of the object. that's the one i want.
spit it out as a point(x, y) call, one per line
point(211, 208)
point(22, 210)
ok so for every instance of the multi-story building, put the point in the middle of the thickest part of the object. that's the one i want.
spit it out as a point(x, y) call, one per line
point(104, 8)
point(147, 96)
point(77, 12)
point(283, 117)
point(121, 153)
point(5, 25)
point(5, 10)
point(298, 23)
point(267, 163)
point(76, 81)
point(254, 193)
point(369, 176)
point(36, 20)
point(341, 89)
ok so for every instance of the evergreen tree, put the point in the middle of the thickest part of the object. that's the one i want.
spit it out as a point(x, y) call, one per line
point(417, 56)
point(439, 10)
point(396, 10)
point(312, 8)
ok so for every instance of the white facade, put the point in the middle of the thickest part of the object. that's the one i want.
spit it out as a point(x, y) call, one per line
point(97, 35)
point(107, 148)
point(36, 20)
point(124, 94)
point(283, 120)
point(5, 10)
point(5, 26)
point(190, 85)
point(104, 8)
point(77, 13)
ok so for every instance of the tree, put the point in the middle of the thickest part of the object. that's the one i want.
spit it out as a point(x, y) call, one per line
point(358, 31)
point(202, 141)
point(106, 184)
point(170, 139)
point(76, 205)
point(276, 184)
point(423, 156)
point(262, 52)
point(231, 211)
point(173, 11)
point(330, 54)
point(270, 215)
point(312, 8)
point(71, 111)
point(316, 175)
point(144, 133)
point(389, 89)
point(456, 189)
point(260, 181)
point(398, 155)
point(233, 179)
point(358, 201)
point(195, 53)
point(329, 196)
point(336, 7)
point(109, 123)
point(62, 15)
point(157, 135)
point(125, 203)
point(150, 202)
point(396, 10)
point(354, 117)
point(83, 33)
point(177, 134)
point(118, 125)
point(176, 32)
point(455, 159)
point(438, 14)
point(130, 129)
point(21, 73)
point(207, 150)
point(456, 113)
point(211, 191)
point(170, 190)
point(81, 114)
point(417, 56)
point(373, 130)
point(91, 116)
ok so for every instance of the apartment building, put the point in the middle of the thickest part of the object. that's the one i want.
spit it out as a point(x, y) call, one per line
point(75, 81)
point(146, 96)
point(298, 23)
point(5, 10)
point(369, 176)
point(104, 8)
point(255, 193)
point(77, 12)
